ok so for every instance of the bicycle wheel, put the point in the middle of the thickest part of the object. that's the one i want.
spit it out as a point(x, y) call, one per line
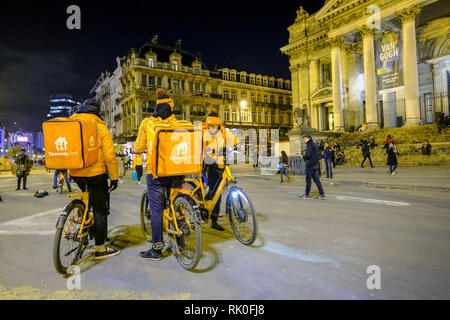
point(189, 244)
point(242, 216)
point(146, 215)
point(67, 249)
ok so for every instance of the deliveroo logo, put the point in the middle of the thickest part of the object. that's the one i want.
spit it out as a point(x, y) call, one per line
point(61, 144)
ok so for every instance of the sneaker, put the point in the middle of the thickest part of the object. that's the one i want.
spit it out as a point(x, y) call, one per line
point(151, 254)
point(106, 254)
point(393, 173)
point(17, 189)
point(305, 196)
point(281, 181)
point(321, 197)
point(216, 226)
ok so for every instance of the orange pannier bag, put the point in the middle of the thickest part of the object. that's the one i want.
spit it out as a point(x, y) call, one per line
point(174, 148)
point(70, 144)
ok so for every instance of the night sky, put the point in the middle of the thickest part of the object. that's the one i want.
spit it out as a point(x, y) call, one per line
point(39, 56)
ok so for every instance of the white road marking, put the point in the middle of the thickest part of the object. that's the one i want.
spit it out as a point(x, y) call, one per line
point(42, 224)
point(292, 253)
point(374, 201)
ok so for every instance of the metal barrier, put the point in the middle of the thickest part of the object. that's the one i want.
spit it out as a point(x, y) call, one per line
point(296, 166)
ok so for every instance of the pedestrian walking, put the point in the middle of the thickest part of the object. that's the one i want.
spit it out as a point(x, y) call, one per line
point(392, 158)
point(312, 157)
point(284, 164)
point(366, 153)
point(24, 165)
point(137, 163)
point(327, 157)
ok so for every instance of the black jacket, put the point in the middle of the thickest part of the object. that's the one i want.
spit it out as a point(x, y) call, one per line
point(366, 150)
point(312, 155)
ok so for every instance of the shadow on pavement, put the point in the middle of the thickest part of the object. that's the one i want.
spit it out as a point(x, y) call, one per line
point(121, 237)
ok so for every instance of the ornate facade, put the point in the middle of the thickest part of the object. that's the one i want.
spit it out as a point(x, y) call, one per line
point(243, 100)
point(383, 63)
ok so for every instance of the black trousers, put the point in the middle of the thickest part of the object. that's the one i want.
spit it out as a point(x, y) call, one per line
point(214, 175)
point(99, 200)
point(364, 160)
point(19, 178)
point(139, 172)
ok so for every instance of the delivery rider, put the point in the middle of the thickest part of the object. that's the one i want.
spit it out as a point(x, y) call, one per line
point(215, 139)
point(94, 178)
point(155, 186)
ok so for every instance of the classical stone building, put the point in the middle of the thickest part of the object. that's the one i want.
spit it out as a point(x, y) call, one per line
point(385, 63)
point(243, 100)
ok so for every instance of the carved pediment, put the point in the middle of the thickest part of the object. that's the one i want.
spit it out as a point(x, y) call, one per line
point(334, 8)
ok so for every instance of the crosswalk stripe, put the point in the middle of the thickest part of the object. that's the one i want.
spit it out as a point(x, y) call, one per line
point(42, 223)
point(375, 201)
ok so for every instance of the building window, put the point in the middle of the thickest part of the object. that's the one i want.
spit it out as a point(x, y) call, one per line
point(258, 98)
point(197, 87)
point(280, 100)
point(176, 84)
point(233, 95)
point(175, 66)
point(265, 99)
point(233, 116)
point(271, 83)
point(272, 118)
point(259, 117)
point(170, 83)
point(151, 81)
point(243, 95)
point(225, 76)
point(233, 77)
point(159, 82)
point(252, 80)
point(203, 87)
point(266, 120)
point(280, 84)
point(144, 80)
point(272, 99)
point(265, 82)
point(225, 94)
point(288, 101)
point(197, 70)
point(214, 89)
point(244, 116)
point(258, 81)
point(226, 115)
point(252, 97)
point(151, 63)
point(191, 86)
point(243, 78)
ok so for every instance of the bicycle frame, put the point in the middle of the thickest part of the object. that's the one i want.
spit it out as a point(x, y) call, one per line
point(169, 213)
point(210, 204)
point(86, 220)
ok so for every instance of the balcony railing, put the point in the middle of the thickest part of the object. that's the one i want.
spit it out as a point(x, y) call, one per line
point(166, 66)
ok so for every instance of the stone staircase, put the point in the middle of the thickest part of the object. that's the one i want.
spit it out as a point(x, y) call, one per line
point(409, 145)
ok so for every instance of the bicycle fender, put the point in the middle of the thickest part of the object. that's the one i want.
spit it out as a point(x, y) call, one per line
point(59, 223)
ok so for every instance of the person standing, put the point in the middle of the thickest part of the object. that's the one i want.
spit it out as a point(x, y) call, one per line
point(366, 153)
point(312, 157)
point(392, 158)
point(327, 157)
point(94, 179)
point(138, 167)
point(23, 164)
point(284, 166)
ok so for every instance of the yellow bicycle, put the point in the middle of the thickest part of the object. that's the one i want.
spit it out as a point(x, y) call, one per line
point(72, 232)
point(182, 232)
point(239, 208)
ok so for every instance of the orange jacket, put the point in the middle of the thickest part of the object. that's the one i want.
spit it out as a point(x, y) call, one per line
point(214, 143)
point(106, 156)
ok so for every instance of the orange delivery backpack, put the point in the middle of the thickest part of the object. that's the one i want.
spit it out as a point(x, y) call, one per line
point(174, 148)
point(70, 144)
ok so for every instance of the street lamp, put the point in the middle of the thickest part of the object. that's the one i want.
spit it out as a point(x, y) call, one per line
point(243, 103)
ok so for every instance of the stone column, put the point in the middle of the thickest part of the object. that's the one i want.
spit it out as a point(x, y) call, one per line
point(410, 73)
point(370, 78)
point(295, 85)
point(313, 75)
point(336, 78)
